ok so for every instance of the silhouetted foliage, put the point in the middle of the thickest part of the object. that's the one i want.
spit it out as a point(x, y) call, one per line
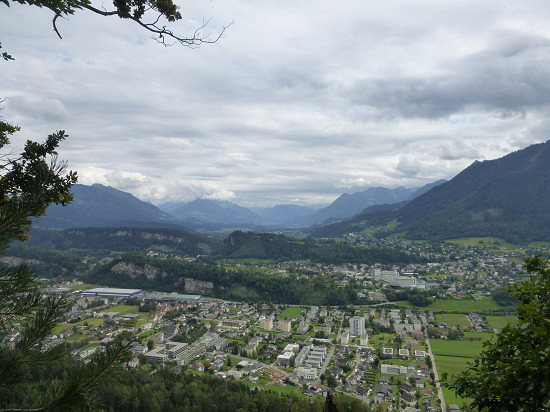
point(512, 372)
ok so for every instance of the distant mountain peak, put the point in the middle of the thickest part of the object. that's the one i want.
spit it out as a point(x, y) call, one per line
point(216, 211)
point(99, 205)
point(507, 197)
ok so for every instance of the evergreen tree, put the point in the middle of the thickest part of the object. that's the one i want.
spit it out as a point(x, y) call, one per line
point(28, 184)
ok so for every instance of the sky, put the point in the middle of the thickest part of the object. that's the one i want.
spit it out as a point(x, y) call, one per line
point(299, 102)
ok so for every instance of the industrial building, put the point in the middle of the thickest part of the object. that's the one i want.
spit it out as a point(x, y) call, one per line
point(111, 292)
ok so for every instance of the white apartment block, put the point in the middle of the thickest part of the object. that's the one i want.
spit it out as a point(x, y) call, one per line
point(308, 374)
point(357, 325)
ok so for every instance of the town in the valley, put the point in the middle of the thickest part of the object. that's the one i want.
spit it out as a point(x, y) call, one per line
point(389, 353)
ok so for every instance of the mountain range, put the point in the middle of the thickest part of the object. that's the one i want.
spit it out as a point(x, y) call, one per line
point(103, 206)
point(508, 197)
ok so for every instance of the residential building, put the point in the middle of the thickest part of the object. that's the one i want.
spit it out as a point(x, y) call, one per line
point(308, 374)
point(266, 322)
point(285, 325)
point(357, 325)
point(345, 338)
point(285, 358)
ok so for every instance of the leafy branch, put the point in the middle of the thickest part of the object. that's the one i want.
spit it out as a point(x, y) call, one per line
point(148, 14)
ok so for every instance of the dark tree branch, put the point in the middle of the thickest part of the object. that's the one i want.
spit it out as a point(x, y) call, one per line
point(54, 26)
point(161, 33)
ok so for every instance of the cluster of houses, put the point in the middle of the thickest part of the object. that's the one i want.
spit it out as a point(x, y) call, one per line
point(409, 394)
point(299, 360)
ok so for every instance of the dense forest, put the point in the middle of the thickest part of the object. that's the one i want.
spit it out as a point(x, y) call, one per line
point(227, 283)
point(173, 389)
point(271, 246)
point(167, 390)
point(108, 241)
point(105, 241)
point(82, 253)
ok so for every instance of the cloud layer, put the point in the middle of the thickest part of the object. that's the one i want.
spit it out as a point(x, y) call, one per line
point(297, 103)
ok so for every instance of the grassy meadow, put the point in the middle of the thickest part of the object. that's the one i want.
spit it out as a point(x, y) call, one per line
point(499, 322)
point(291, 312)
point(452, 305)
point(488, 242)
point(452, 319)
point(122, 309)
point(456, 348)
point(463, 306)
point(452, 357)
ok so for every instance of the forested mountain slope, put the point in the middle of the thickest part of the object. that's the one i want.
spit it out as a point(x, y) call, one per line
point(508, 197)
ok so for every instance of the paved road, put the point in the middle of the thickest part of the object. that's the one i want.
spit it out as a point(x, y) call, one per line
point(436, 375)
point(327, 361)
point(330, 354)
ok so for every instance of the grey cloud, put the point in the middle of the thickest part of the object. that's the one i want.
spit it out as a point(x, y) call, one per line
point(409, 166)
point(507, 78)
point(455, 150)
point(38, 109)
point(299, 101)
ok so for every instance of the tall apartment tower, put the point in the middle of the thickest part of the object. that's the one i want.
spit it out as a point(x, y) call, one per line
point(357, 325)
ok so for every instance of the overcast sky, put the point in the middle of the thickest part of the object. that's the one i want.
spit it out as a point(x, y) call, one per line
point(300, 102)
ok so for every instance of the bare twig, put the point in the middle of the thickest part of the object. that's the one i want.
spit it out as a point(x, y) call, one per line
point(161, 33)
point(54, 26)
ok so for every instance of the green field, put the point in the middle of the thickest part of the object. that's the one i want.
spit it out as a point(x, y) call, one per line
point(457, 348)
point(452, 366)
point(451, 398)
point(246, 261)
point(76, 338)
point(452, 305)
point(91, 345)
point(452, 357)
point(146, 334)
point(498, 322)
point(275, 388)
point(64, 326)
point(91, 321)
point(60, 328)
point(122, 309)
point(478, 335)
point(464, 306)
point(452, 319)
point(540, 244)
point(401, 362)
point(489, 242)
point(144, 318)
point(382, 339)
point(291, 312)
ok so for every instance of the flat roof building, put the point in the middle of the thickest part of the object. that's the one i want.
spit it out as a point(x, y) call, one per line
point(158, 354)
point(306, 373)
point(111, 292)
point(285, 358)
